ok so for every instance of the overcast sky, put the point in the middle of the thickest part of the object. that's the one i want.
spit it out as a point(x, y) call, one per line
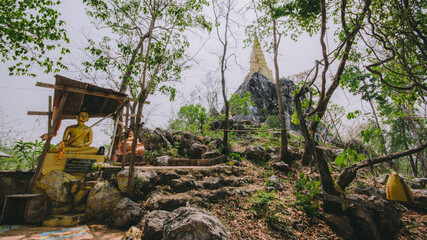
point(19, 94)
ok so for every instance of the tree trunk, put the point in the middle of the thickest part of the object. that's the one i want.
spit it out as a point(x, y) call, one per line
point(225, 149)
point(312, 153)
point(136, 130)
point(284, 154)
point(421, 155)
point(123, 88)
point(348, 175)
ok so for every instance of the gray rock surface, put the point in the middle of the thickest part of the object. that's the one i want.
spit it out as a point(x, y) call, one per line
point(264, 96)
point(196, 150)
point(145, 179)
point(125, 214)
point(256, 153)
point(187, 140)
point(275, 182)
point(281, 166)
point(101, 201)
point(188, 223)
point(153, 224)
point(211, 154)
point(163, 160)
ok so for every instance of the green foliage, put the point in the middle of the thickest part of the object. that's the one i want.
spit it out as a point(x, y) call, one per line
point(240, 104)
point(295, 119)
point(151, 155)
point(265, 135)
point(292, 17)
point(353, 115)
point(236, 156)
point(348, 157)
point(261, 202)
point(29, 30)
point(272, 120)
point(191, 118)
point(307, 191)
point(27, 153)
point(146, 43)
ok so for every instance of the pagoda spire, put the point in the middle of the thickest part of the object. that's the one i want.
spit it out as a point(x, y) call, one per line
point(258, 63)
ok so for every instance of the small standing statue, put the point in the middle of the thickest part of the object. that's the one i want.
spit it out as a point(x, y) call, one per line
point(77, 138)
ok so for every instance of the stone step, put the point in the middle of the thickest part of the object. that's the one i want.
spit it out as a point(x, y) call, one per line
point(183, 170)
point(197, 172)
point(201, 198)
point(196, 162)
point(212, 183)
point(64, 220)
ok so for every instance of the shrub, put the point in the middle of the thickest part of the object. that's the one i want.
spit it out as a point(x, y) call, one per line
point(307, 192)
point(261, 201)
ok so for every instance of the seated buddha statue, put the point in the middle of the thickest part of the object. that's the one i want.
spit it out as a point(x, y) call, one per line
point(77, 138)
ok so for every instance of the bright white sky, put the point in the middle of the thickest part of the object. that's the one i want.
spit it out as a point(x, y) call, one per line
point(19, 94)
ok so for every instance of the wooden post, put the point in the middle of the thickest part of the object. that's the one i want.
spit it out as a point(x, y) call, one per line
point(125, 136)
point(113, 139)
point(47, 143)
point(49, 117)
point(117, 132)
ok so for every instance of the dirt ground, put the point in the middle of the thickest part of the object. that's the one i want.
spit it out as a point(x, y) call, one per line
point(29, 232)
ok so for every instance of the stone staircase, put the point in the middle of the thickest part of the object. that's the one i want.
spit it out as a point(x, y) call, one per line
point(196, 185)
point(159, 188)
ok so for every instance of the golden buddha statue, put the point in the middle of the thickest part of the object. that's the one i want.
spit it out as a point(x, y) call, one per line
point(77, 138)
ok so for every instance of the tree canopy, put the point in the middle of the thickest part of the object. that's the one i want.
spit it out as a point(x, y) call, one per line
point(29, 29)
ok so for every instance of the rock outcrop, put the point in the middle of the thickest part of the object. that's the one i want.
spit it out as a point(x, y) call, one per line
point(145, 179)
point(126, 213)
point(264, 96)
point(153, 224)
point(102, 200)
point(185, 223)
point(54, 183)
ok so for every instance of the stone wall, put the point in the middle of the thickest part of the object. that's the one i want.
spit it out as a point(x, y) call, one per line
point(12, 182)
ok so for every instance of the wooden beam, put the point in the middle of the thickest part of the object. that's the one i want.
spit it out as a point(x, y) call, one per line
point(125, 136)
point(66, 116)
point(84, 91)
point(49, 119)
point(46, 147)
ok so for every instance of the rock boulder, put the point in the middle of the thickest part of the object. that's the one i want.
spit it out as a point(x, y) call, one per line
point(125, 214)
point(256, 153)
point(197, 150)
point(188, 223)
point(153, 224)
point(101, 201)
point(54, 183)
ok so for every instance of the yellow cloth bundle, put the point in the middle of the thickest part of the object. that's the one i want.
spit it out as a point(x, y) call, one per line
point(397, 189)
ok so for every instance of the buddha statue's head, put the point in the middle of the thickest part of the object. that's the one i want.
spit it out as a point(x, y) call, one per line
point(82, 117)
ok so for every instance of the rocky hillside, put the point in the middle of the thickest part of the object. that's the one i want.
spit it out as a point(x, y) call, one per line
point(257, 197)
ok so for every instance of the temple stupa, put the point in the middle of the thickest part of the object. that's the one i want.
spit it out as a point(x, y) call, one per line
point(258, 63)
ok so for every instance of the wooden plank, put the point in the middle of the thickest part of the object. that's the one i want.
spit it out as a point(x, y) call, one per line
point(66, 116)
point(125, 136)
point(49, 119)
point(84, 91)
point(249, 130)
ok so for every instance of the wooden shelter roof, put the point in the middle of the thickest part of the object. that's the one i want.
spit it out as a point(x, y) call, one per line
point(97, 101)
